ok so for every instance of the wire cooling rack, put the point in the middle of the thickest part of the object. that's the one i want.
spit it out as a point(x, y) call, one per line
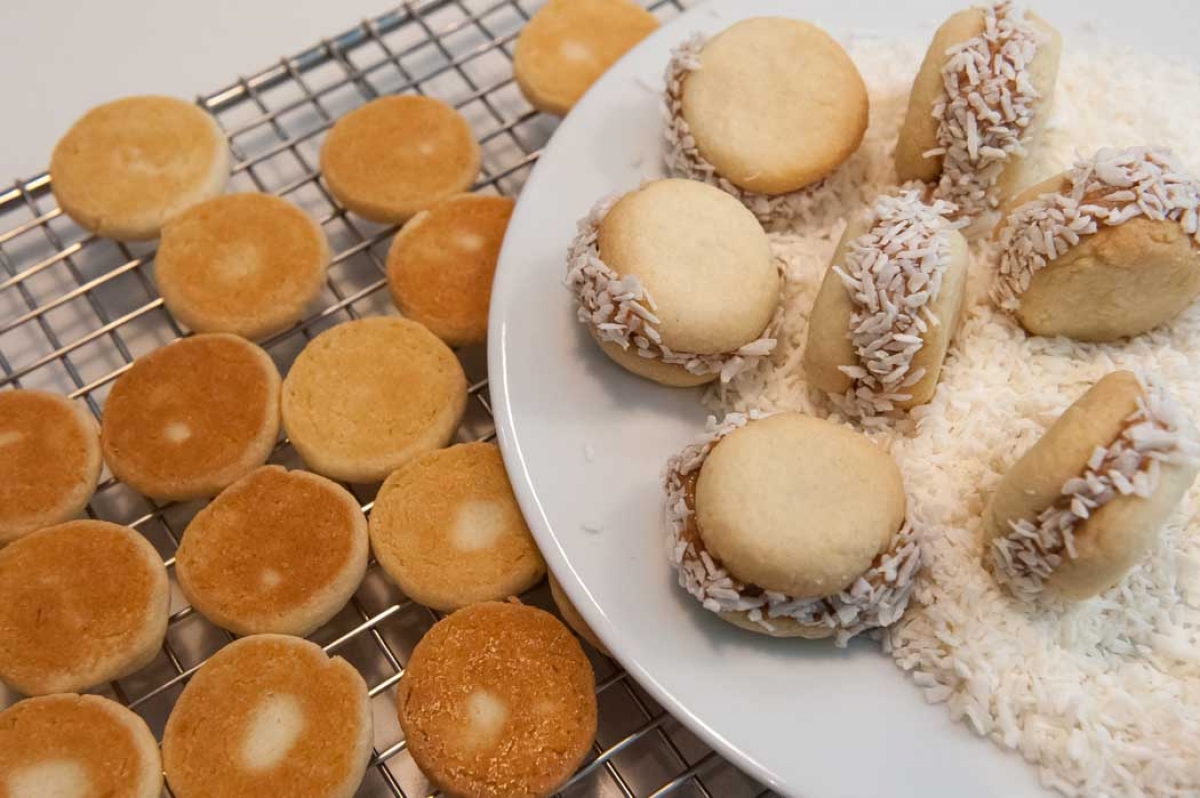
point(75, 310)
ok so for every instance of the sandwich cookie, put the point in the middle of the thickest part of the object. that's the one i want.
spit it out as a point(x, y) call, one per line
point(69, 746)
point(569, 44)
point(791, 526)
point(81, 603)
point(498, 701)
point(49, 461)
point(441, 264)
point(1085, 503)
point(269, 715)
point(192, 417)
point(763, 110)
point(1107, 250)
point(677, 283)
point(366, 396)
point(247, 264)
point(277, 551)
point(888, 307)
point(572, 618)
point(978, 105)
point(397, 156)
point(447, 529)
point(129, 166)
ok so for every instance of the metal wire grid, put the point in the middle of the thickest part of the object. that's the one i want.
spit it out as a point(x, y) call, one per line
point(75, 311)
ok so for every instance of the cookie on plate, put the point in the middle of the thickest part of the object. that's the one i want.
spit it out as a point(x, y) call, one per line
point(192, 417)
point(60, 746)
point(441, 264)
point(1086, 502)
point(81, 603)
point(762, 110)
point(277, 551)
point(677, 283)
point(49, 460)
point(397, 156)
point(572, 618)
point(569, 44)
point(247, 264)
point(1107, 250)
point(498, 700)
point(127, 167)
point(366, 396)
point(269, 715)
point(791, 526)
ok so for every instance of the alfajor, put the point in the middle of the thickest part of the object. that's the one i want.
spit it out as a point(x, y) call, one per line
point(1106, 250)
point(791, 526)
point(1085, 503)
point(677, 283)
point(81, 603)
point(763, 110)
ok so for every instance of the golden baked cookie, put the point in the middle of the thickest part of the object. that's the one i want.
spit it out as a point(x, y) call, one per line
point(447, 529)
point(81, 603)
point(569, 44)
point(397, 156)
point(247, 264)
point(498, 701)
point(277, 551)
point(49, 460)
point(129, 166)
point(192, 417)
point(61, 746)
point(269, 715)
point(366, 396)
point(441, 264)
point(571, 616)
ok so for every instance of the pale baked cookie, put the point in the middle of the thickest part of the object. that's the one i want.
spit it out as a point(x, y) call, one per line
point(397, 156)
point(247, 264)
point(1107, 250)
point(572, 618)
point(791, 526)
point(64, 746)
point(366, 396)
point(81, 603)
point(441, 264)
point(677, 283)
point(49, 460)
point(498, 701)
point(269, 715)
point(129, 166)
point(569, 44)
point(763, 110)
point(447, 529)
point(979, 104)
point(1085, 503)
point(888, 307)
point(192, 417)
point(277, 551)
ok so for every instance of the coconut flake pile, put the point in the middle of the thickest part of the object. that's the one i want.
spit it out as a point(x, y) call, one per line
point(877, 599)
point(1108, 189)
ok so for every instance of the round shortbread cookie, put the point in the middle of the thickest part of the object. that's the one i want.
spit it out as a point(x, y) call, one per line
point(397, 156)
point(366, 396)
point(498, 701)
point(775, 105)
point(269, 715)
point(247, 264)
point(447, 529)
point(277, 551)
point(81, 603)
point(69, 746)
point(192, 417)
point(129, 166)
point(569, 44)
point(49, 460)
point(441, 264)
point(572, 618)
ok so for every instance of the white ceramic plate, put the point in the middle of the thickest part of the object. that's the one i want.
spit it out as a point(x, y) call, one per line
point(585, 443)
